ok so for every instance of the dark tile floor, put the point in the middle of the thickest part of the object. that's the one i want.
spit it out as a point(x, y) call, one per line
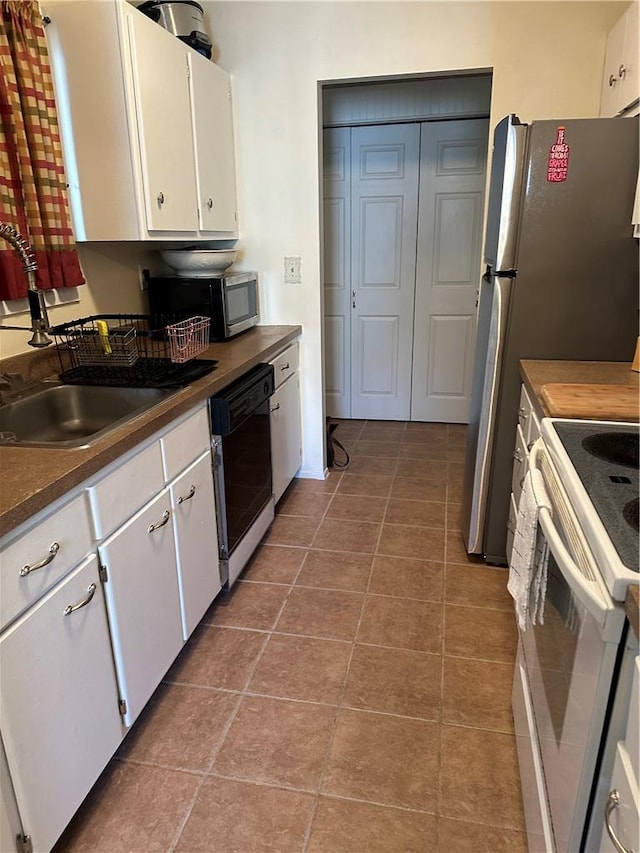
point(352, 693)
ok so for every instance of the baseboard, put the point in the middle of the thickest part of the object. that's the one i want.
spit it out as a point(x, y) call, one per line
point(304, 474)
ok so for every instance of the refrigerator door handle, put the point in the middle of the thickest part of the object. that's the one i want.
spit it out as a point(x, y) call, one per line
point(486, 426)
point(505, 198)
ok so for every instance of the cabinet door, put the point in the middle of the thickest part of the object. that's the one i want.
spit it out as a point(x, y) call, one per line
point(143, 601)
point(58, 703)
point(161, 94)
point(286, 435)
point(213, 137)
point(610, 83)
point(194, 518)
point(620, 81)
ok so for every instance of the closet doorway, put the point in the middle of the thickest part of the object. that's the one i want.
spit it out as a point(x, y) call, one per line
point(403, 209)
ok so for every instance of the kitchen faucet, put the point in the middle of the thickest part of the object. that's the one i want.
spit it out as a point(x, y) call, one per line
point(37, 306)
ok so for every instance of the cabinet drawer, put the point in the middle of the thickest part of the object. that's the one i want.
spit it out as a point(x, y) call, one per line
point(511, 525)
point(520, 459)
point(285, 364)
point(117, 496)
point(185, 442)
point(61, 540)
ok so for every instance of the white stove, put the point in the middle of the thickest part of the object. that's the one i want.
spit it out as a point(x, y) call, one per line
point(597, 462)
point(585, 477)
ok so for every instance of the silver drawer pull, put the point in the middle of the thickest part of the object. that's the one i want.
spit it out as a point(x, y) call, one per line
point(26, 570)
point(613, 801)
point(91, 591)
point(275, 408)
point(285, 366)
point(188, 496)
point(165, 518)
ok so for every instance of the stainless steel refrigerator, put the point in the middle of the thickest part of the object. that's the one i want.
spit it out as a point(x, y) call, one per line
point(561, 283)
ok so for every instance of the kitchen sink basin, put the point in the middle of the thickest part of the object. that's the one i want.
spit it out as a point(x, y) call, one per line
point(51, 414)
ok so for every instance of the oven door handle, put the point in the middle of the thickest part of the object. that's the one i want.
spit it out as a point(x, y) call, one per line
point(589, 592)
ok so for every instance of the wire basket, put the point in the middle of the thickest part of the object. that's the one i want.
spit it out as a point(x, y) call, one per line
point(132, 350)
point(188, 338)
point(102, 345)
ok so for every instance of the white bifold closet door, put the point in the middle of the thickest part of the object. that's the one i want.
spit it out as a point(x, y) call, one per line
point(403, 208)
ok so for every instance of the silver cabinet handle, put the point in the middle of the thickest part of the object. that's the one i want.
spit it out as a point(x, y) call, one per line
point(612, 80)
point(165, 518)
point(621, 71)
point(613, 801)
point(210, 203)
point(285, 366)
point(160, 199)
point(188, 496)
point(91, 591)
point(353, 298)
point(53, 550)
point(275, 408)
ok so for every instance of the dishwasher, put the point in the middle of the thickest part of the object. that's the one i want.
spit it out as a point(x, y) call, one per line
point(241, 444)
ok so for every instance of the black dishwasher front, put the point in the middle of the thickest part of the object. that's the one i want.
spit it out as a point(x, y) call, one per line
point(241, 442)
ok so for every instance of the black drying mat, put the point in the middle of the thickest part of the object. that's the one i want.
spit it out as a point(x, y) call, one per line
point(144, 373)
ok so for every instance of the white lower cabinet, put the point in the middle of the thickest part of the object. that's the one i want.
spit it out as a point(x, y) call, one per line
point(143, 601)
point(194, 512)
point(59, 702)
point(99, 593)
point(285, 422)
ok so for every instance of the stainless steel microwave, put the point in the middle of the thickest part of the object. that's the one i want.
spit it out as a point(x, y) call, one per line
point(230, 300)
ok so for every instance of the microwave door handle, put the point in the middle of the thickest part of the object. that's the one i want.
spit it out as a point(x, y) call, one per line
point(587, 591)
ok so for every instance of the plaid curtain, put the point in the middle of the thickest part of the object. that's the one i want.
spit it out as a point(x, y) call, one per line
point(33, 197)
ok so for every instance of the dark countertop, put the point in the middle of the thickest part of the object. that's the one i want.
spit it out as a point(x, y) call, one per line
point(32, 478)
point(536, 373)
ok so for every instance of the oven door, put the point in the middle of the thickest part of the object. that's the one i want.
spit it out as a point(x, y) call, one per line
point(569, 662)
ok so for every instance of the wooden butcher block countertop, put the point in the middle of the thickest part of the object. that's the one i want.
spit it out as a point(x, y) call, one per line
point(602, 402)
point(594, 390)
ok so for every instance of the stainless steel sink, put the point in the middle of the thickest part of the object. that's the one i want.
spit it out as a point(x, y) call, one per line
point(50, 414)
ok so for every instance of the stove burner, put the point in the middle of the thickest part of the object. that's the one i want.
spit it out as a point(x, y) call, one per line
point(631, 513)
point(620, 448)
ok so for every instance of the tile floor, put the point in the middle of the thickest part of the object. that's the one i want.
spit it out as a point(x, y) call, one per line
point(352, 693)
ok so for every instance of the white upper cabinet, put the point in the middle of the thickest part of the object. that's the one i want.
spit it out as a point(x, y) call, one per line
point(210, 90)
point(163, 115)
point(620, 81)
point(146, 126)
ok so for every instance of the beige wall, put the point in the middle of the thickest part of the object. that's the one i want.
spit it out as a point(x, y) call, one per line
point(547, 61)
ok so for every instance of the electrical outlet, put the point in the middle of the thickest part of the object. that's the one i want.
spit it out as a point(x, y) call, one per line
point(293, 270)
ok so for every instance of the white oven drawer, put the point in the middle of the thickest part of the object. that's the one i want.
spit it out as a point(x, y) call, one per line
point(622, 819)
